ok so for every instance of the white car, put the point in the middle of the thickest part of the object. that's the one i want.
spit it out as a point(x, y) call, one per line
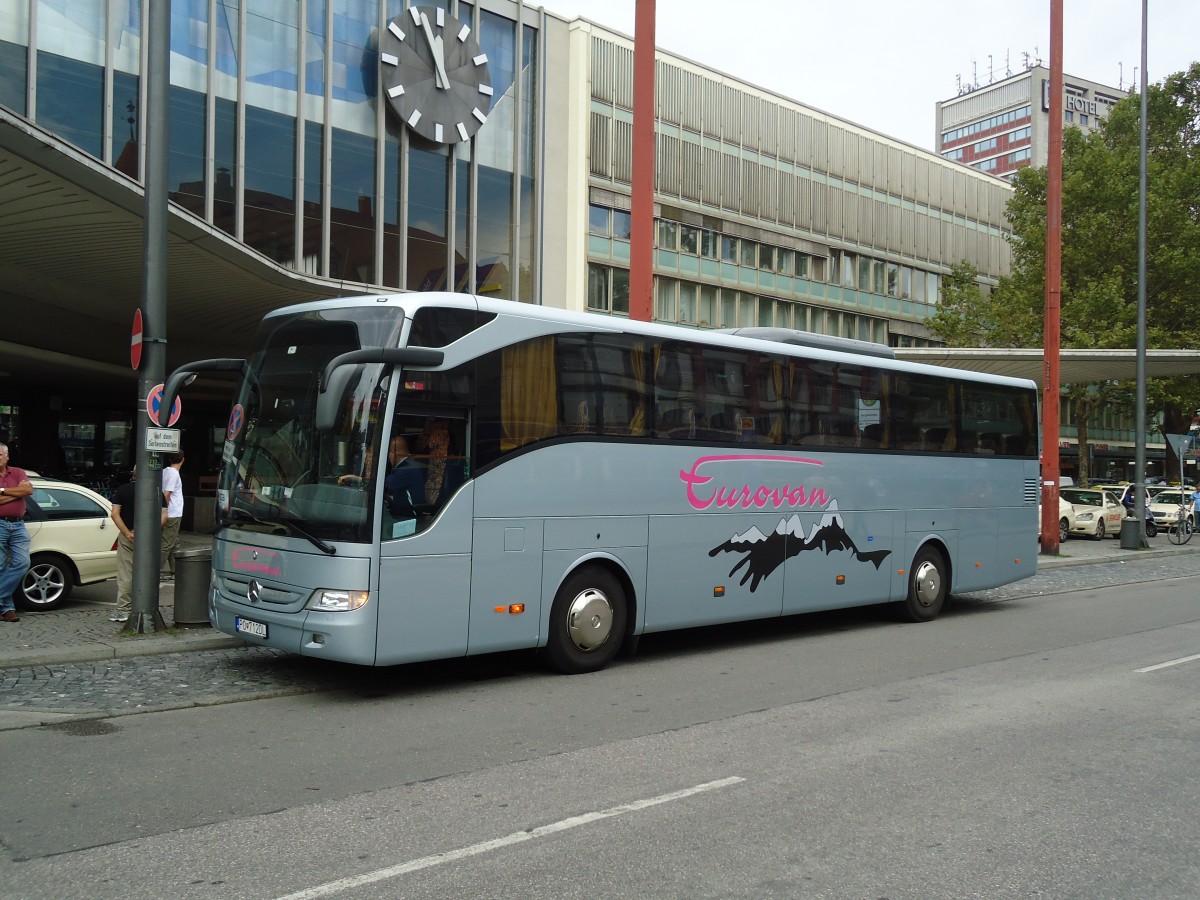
point(1066, 519)
point(1165, 508)
point(72, 541)
point(1097, 513)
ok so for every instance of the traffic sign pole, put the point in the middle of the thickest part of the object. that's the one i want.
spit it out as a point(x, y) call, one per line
point(146, 617)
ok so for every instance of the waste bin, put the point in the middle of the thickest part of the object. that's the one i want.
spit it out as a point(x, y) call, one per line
point(193, 576)
point(1131, 535)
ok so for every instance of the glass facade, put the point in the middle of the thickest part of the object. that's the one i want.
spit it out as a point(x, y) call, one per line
point(278, 137)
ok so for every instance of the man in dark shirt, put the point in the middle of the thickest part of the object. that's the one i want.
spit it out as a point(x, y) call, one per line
point(123, 511)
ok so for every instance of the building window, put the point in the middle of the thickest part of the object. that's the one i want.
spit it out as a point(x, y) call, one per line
point(689, 240)
point(598, 287)
point(598, 220)
point(783, 261)
point(622, 224)
point(608, 289)
point(729, 249)
point(668, 235)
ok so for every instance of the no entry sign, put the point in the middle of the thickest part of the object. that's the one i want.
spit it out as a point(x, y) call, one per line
point(135, 342)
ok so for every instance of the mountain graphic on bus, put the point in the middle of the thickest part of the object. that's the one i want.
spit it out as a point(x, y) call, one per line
point(766, 553)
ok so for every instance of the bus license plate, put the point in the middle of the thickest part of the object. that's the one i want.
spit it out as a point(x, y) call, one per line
point(247, 626)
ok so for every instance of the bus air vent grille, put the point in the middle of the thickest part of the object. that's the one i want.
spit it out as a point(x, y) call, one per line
point(1033, 491)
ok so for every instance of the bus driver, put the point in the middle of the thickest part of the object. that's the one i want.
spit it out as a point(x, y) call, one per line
point(404, 486)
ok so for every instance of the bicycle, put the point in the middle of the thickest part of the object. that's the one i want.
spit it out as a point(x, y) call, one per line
point(1181, 533)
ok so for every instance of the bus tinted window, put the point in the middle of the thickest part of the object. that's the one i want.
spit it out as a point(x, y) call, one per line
point(604, 385)
point(630, 386)
point(435, 326)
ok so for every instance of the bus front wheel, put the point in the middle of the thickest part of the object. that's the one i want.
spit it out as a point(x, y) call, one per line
point(587, 622)
point(928, 585)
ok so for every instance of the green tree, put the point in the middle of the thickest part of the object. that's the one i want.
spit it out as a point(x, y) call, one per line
point(1099, 250)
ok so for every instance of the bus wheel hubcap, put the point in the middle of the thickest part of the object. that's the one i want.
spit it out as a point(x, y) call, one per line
point(929, 583)
point(590, 619)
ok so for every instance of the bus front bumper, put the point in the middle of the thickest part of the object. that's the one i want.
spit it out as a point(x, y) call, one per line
point(340, 636)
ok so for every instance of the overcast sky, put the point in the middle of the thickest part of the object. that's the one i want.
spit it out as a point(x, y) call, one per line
point(884, 64)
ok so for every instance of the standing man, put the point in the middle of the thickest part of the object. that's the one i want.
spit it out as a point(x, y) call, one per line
point(172, 488)
point(14, 539)
point(123, 510)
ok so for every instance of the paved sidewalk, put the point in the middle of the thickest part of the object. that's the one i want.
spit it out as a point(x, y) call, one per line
point(81, 633)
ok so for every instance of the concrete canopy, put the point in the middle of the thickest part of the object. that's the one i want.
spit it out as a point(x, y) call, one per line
point(71, 272)
point(1075, 366)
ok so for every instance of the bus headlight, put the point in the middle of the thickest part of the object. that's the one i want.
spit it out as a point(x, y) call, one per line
point(338, 601)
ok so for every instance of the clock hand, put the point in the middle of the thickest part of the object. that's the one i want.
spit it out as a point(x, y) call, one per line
point(435, 47)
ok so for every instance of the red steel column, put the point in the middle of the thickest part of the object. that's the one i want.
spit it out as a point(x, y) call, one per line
point(641, 237)
point(1050, 386)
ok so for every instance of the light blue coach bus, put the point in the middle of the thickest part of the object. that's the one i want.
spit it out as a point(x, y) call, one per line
point(569, 482)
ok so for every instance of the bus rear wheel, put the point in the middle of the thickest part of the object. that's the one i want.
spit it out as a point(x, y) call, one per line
point(928, 585)
point(587, 622)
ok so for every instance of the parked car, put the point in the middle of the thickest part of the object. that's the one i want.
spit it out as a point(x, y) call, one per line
point(72, 541)
point(1097, 513)
point(1165, 507)
point(1066, 519)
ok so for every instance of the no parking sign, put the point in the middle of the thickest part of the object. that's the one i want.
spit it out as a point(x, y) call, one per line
point(237, 416)
point(154, 406)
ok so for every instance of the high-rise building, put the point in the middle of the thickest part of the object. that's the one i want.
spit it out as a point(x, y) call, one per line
point(1001, 127)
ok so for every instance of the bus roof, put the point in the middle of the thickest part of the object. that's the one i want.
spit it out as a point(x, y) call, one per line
point(786, 341)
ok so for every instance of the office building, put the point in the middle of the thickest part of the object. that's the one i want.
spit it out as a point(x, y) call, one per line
point(300, 167)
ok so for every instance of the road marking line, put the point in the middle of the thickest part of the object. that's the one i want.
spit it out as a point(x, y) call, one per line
point(1173, 662)
point(438, 859)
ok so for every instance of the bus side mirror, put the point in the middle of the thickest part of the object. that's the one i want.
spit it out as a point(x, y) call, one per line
point(341, 368)
point(185, 375)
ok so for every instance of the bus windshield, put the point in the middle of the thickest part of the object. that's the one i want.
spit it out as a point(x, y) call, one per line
point(282, 475)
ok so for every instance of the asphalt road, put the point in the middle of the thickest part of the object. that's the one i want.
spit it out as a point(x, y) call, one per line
point(1019, 746)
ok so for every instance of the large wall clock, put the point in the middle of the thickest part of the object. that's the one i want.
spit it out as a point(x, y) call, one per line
point(434, 75)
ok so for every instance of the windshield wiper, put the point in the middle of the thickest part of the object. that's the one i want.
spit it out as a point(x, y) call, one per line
point(239, 514)
point(287, 524)
point(303, 531)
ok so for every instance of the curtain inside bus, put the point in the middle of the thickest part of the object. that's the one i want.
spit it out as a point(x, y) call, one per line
point(528, 393)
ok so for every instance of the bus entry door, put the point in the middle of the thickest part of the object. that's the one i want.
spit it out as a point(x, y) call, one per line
point(425, 587)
